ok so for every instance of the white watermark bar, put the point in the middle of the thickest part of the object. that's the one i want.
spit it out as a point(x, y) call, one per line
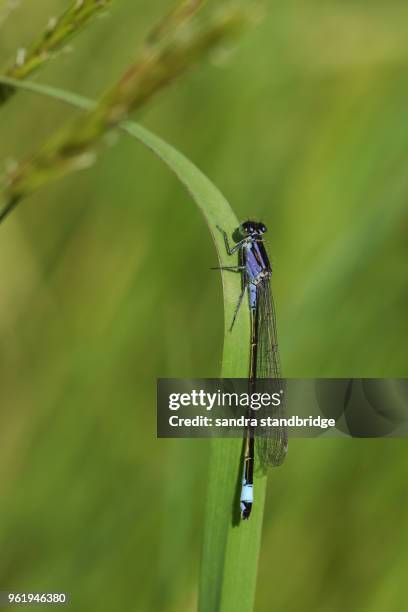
point(356, 407)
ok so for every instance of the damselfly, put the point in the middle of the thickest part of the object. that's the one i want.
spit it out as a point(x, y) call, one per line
point(256, 272)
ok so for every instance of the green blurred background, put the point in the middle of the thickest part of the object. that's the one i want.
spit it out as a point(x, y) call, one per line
point(105, 285)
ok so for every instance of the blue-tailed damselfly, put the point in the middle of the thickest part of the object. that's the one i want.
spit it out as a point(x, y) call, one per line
point(256, 272)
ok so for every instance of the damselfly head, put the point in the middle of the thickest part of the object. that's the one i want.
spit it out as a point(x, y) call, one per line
point(253, 227)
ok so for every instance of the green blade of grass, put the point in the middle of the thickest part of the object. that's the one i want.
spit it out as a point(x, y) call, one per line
point(230, 551)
